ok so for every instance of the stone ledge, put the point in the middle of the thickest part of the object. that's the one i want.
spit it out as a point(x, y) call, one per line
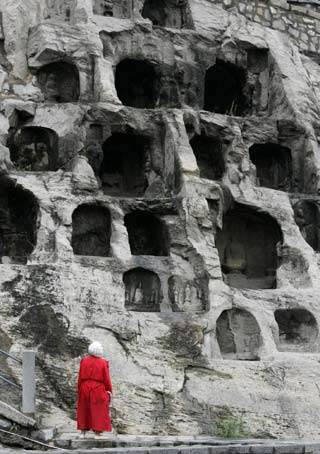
point(224, 447)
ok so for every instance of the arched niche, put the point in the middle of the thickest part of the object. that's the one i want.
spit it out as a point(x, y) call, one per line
point(238, 335)
point(18, 222)
point(34, 148)
point(188, 295)
point(274, 165)
point(125, 165)
point(298, 329)
point(137, 83)
point(142, 290)
point(91, 231)
point(224, 89)
point(59, 82)
point(168, 13)
point(307, 216)
point(148, 234)
point(247, 246)
point(209, 155)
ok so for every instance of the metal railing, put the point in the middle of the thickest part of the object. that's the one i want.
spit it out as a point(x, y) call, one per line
point(28, 387)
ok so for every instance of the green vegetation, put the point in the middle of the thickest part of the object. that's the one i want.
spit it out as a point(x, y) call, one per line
point(230, 426)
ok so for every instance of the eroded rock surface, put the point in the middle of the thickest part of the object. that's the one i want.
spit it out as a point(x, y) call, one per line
point(159, 192)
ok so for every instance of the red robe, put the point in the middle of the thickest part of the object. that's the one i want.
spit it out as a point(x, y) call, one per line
point(93, 399)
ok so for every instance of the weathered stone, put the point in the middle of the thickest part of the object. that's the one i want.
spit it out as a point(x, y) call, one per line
point(160, 185)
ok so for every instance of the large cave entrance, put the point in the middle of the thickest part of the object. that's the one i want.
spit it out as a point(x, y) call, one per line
point(137, 83)
point(91, 231)
point(223, 93)
point(124, 167)
point(148, 234)
point(209, 155)
point(247, 248)
point(18, 223)
point(59, 82)
point(274, 165)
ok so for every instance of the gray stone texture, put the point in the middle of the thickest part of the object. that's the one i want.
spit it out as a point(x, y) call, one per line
point(187, 139)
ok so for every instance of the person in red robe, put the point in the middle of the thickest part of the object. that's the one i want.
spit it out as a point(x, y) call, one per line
point(94, 392)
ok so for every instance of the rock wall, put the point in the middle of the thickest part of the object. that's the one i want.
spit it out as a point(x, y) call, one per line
point(160, 173)
point(298, 19)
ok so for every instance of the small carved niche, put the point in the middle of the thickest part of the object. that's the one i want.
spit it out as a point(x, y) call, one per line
point(224, 89)
point(142, 290)
point(116, 8)
point(34, 148)
point(18, 222)
point(103, 7)
point(209, 156)
point(274, 165)
point(138, 83)
point(188, 296)
point(298, 329)
point(307, 217)
point(168, 13)
point(238, 335)
point(91, 231)
point(59, 82)
point(148, 234)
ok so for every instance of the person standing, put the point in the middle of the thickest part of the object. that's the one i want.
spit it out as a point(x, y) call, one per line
point(94, 392)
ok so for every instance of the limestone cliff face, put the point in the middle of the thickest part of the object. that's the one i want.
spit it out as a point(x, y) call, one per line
point(160, 172)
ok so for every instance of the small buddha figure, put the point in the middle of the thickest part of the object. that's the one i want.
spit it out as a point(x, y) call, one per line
point(234, 257)
point(138, 296)
point(41, 158)
point(188, 294)
point(51, 88)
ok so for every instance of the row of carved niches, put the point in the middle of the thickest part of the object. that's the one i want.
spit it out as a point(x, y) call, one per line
point(239, 335)
point(228, 89)
point(113, 8)
point(18, 222)
point(34, 149)
point(247, 246)
point(162, 13)
point(307, 217)
point(91, 232)
point(273, 164)
point(143, 292)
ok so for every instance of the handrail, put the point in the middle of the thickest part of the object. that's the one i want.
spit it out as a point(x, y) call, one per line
point(10, 382)
point(3, 353)
point(28, 379)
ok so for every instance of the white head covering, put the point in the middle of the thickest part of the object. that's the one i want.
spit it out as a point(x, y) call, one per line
point(95, 349)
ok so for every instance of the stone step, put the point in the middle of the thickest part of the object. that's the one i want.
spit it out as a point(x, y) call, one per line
point(121, 444)
point(12, 414)
point(225, 447)
point(72, 440)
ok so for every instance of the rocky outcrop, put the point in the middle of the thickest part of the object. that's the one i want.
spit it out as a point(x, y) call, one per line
point(159, 192)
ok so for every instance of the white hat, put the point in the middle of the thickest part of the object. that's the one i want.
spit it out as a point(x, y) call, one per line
point(95, 349)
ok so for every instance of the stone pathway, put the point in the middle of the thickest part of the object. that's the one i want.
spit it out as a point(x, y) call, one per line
point(130, 444)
